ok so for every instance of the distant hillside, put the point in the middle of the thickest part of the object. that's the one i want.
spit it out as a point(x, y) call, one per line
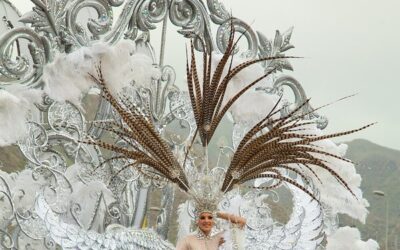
point(379, 168)
point(11, 159)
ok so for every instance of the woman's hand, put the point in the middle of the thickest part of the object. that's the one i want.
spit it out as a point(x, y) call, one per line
point(240, 221)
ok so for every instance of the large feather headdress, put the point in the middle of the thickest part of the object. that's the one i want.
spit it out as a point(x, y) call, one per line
point(270, 147)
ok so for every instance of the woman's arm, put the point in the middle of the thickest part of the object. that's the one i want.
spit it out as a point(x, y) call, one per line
point(235, 219)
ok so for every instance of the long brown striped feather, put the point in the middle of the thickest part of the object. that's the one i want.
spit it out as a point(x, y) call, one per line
point(273, 186)
point(123, 136)
point(226, 80)
point(197, 88)
point(125, 152)
point(148, 133)
point(248, 173)
point(312, 171)
point(319, 138)
point(221, 98)
point(219, 116)
point(195, 108)
point(267, 151)
point(269, 171)
point(229, 52)
point(290, 181)
point(273, 144)
point(281, 134)
point(150, 147)
point(248, 143)
point(297, 171)
point(255, 129)
point(221, 64)
point(259, 169)
point(144, 131)
point(108, 160)
point(140, 129)
point(208, 92)
point(260, 154)
point(206, 86)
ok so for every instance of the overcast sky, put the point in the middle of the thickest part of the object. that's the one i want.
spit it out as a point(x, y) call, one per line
point(350, 46)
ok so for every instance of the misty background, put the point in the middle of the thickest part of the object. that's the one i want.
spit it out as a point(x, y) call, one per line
point(348, 47)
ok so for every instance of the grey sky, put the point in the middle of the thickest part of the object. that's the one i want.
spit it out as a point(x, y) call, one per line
point(350, 46)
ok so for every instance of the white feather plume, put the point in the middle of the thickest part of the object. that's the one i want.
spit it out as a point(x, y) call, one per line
point(66, 78)
point(331, 192)
point(253, 105)
point(16, 105)
point(346, 238)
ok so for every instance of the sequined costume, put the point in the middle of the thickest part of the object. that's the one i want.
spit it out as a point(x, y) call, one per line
point(199, 241)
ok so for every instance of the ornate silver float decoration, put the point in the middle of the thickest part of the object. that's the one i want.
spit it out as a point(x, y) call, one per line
point(61, 168)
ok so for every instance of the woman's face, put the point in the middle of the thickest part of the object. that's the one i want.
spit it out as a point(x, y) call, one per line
point(205, 222)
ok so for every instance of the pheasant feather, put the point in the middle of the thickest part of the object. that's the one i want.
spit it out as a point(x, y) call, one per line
point(270, 147)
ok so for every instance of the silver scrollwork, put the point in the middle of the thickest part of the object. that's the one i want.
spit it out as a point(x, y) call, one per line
point(23, 70)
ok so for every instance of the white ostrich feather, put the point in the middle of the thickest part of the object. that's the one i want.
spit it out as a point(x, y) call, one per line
point(349, 238)
point(331, 192)
point(234, 239)
point(16, 104)
point(67, 78)
point(123, 64)
point(253, 105)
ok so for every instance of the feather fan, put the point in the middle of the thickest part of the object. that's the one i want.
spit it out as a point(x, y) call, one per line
point(273, 145)
point(146, 145)
point(207, 98)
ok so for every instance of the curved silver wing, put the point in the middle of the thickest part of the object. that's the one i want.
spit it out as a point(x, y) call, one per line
point(116, 237)
point(302, 231)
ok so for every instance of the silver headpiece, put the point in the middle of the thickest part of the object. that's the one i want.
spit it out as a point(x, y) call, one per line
point(206, 193)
